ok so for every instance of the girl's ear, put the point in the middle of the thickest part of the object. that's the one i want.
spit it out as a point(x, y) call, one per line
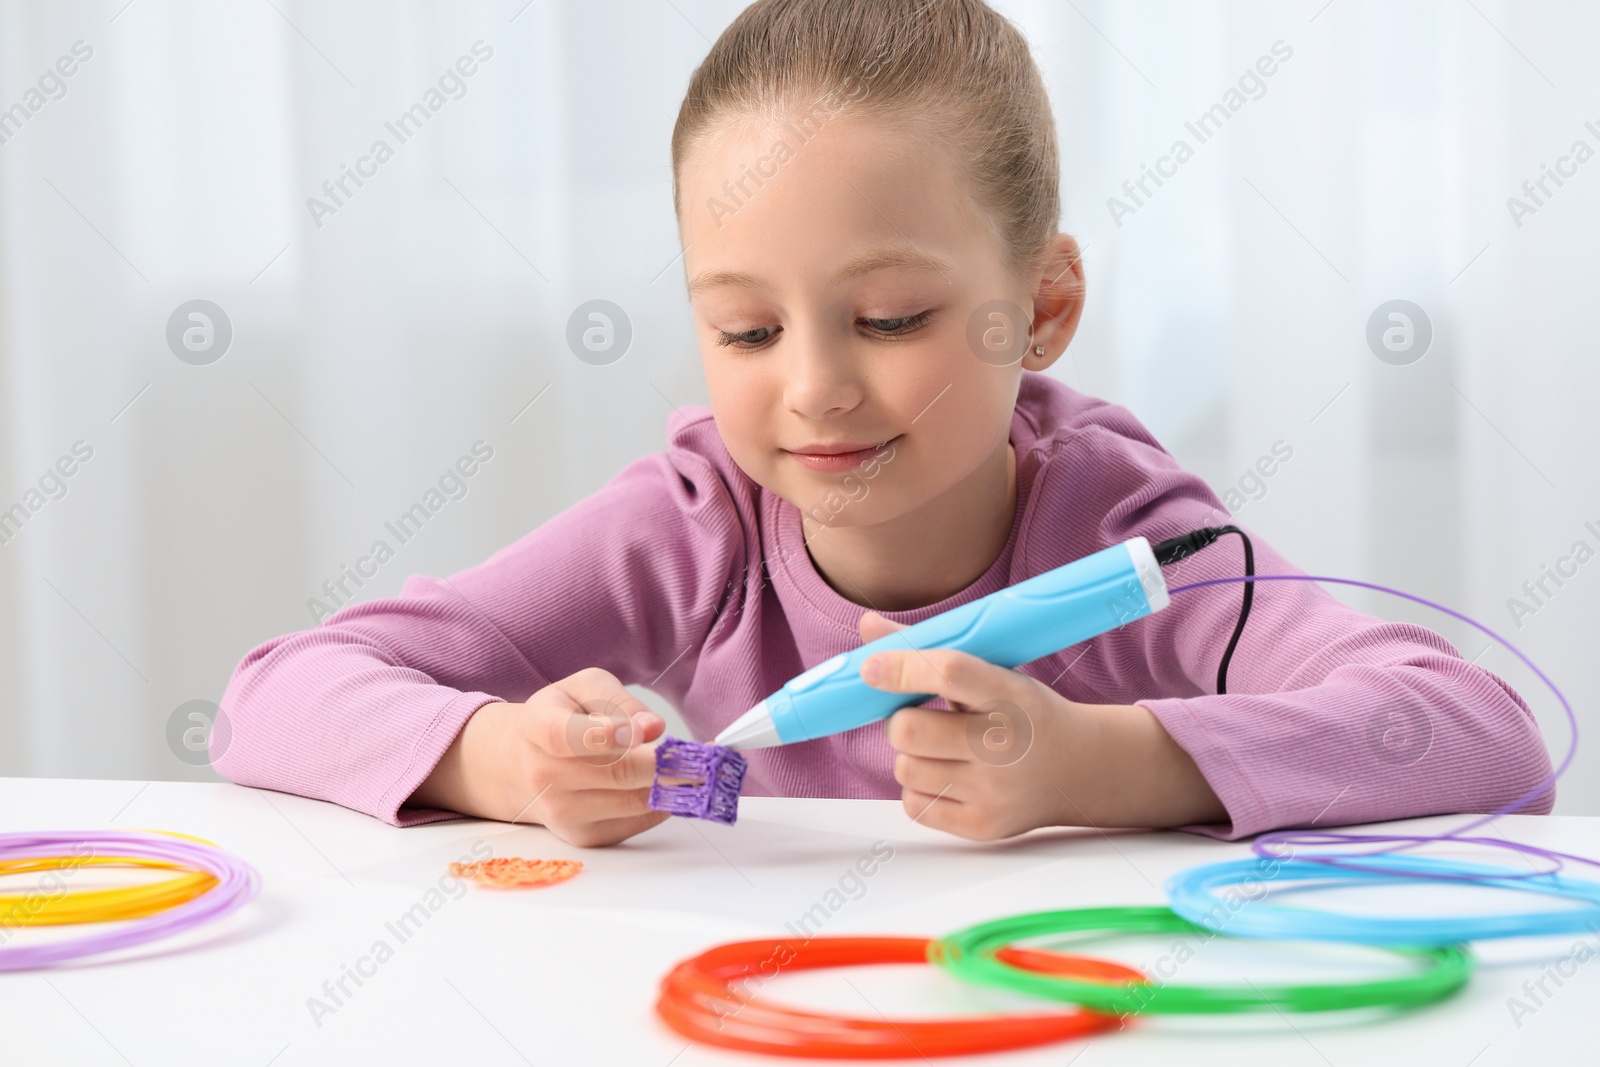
point(1057, 300)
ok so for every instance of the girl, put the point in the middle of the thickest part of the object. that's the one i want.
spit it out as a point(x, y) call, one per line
point(868, 201)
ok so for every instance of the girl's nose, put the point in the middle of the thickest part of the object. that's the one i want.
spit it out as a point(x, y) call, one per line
point(820, 378)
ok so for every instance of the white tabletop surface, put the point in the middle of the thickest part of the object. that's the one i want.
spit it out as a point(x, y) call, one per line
point(568, 974)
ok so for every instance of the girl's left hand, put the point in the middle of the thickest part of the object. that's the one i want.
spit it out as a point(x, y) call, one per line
point(989, 767)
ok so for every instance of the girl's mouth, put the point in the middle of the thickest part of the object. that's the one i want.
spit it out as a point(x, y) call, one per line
point(833, 457)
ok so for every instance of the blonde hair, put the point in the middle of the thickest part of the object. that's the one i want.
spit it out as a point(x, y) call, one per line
point(956, 66)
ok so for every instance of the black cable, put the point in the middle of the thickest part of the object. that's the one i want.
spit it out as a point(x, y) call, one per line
point(1174, 549)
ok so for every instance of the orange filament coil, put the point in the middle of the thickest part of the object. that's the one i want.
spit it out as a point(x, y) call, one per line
point(514, 872)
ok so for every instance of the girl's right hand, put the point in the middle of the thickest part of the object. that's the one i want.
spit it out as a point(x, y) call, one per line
point(575, 757)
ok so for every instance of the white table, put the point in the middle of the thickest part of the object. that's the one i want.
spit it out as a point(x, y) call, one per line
point(568, 974)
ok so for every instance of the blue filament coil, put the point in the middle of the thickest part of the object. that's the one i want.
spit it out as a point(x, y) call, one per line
point(1194, 895)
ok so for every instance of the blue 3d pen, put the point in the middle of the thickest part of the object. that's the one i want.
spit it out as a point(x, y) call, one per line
point(1034, 618)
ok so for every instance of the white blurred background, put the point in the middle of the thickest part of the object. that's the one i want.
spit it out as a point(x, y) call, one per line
point(374, 345)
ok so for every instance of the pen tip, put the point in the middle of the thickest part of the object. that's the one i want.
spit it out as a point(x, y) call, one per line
point(753, 729)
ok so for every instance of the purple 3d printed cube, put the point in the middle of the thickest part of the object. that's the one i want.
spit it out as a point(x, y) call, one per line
point(697, 780)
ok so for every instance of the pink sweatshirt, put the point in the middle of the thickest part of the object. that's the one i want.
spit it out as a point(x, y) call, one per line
point(684, 575)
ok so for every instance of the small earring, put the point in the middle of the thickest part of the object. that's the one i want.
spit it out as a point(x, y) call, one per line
point(1038, 350)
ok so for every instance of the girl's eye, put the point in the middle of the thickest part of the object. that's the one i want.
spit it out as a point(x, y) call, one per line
point(747, 338)
point(896, 327)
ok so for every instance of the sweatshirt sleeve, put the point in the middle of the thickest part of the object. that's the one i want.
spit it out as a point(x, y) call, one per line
point(359, 710)
point(1331, 717)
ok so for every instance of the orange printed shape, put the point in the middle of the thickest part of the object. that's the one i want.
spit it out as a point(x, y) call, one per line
point(514, 872)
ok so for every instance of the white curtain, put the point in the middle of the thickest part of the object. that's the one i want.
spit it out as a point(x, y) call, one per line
point(380, 333)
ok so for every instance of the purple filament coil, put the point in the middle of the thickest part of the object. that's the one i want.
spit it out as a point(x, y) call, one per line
point(701, 781)
point(237, 884)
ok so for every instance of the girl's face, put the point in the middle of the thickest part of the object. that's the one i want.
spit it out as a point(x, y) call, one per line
point(833, 302)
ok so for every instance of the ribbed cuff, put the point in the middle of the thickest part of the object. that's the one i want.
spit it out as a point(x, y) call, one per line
point(1247, 812)
point(449, 721)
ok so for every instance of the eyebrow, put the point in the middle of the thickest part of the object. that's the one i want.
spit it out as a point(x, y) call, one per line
point(717, 279)
point(862, 265)
point(894, 258)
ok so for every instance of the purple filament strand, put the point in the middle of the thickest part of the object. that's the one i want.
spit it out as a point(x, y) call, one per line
point(1396, 843)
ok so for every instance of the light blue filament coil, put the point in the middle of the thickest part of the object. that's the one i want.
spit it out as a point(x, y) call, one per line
point(1194, 895)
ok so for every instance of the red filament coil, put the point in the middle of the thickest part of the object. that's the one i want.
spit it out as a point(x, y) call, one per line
point(699, 1000)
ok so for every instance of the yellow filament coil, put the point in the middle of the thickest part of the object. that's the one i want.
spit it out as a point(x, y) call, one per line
point(38, 908)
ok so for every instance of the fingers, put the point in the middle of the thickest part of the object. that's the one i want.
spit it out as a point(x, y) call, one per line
point(611, 831)
point(930, 733)
point(647, 727)
point(596, 749)
point(636, 770)
point(954, 817)
point(591, 715)
point(962, 818)
point(959, 677)
point(873, 626)
point(633, 767)
point(574, 806)
point(934, 809)
point(934, 777)
point(584, 761)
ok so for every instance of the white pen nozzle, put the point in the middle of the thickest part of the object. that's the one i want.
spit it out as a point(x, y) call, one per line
point(753, 729)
